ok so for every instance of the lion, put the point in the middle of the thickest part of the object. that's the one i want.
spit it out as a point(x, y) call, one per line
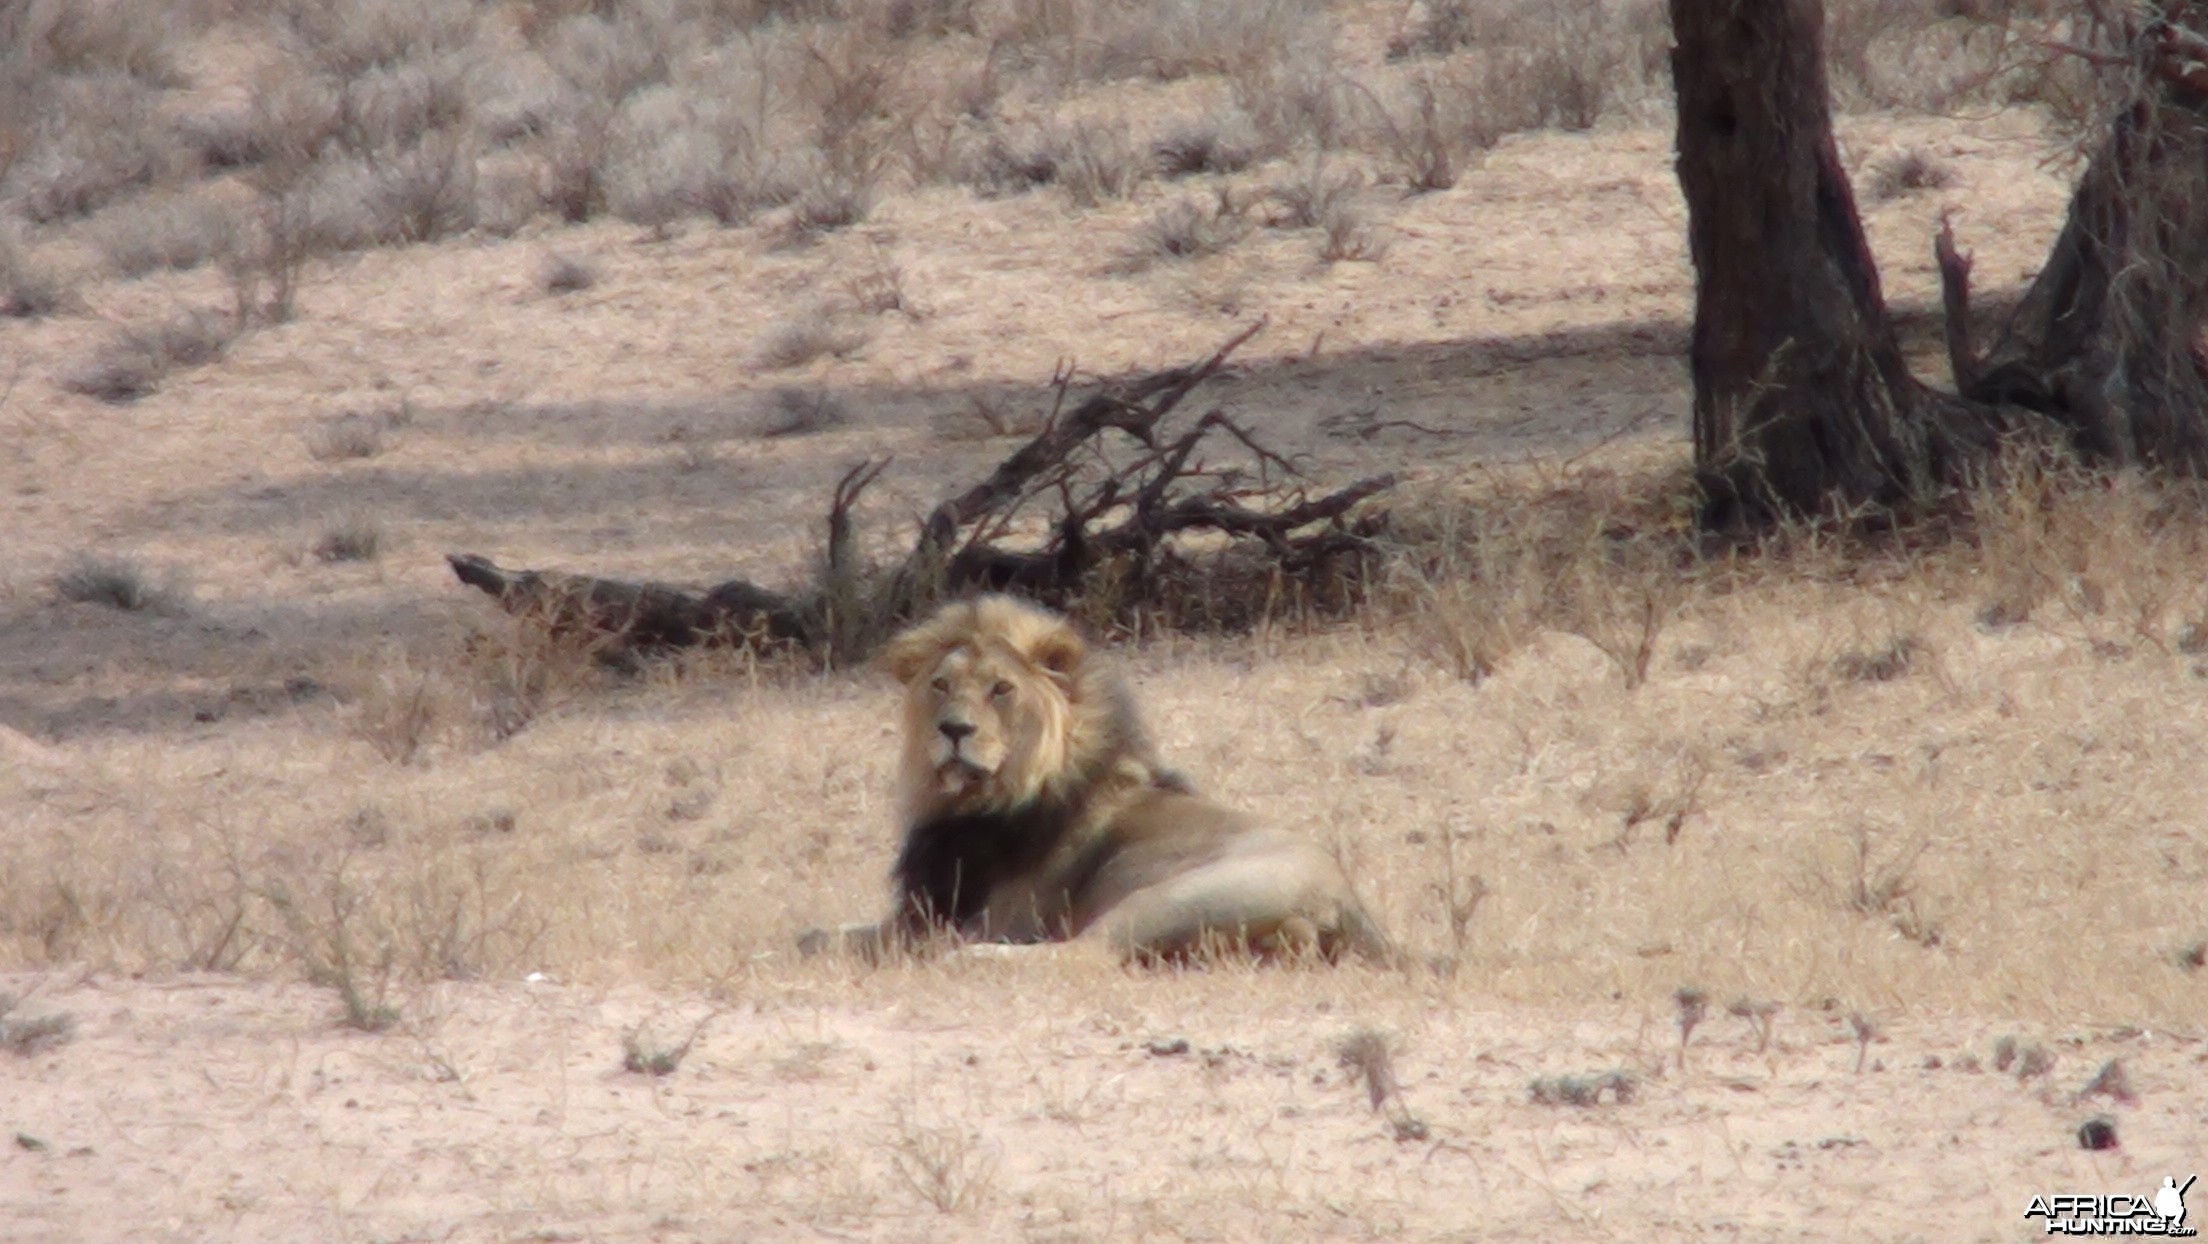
point(1036, 810)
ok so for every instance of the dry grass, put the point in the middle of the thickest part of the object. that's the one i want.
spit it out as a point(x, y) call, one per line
point(611, 855)
point(119, 583)
point(1190, 228)
point(30, 286)
point(350, 538)
point(132, 361)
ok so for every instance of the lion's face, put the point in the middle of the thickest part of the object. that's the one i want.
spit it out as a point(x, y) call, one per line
point(990, 705)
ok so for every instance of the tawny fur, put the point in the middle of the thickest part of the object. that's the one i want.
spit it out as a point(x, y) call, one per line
point(1036, 810)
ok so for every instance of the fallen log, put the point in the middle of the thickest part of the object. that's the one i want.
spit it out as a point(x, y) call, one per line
point(1123, 521)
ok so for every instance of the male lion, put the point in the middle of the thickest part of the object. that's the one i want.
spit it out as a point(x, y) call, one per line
point(1036, 810)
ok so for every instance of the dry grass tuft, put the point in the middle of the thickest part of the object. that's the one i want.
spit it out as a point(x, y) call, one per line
point(565, 274)
point(796, 411)
point(1214, 144)
point(350, 538)
point(1189, 228)
point(133, 361)
point(795, 343)
point(1902, 173)
point(1620, 1086)
point(644, 1055)
point(354, 434)
point(155, 233)
point(950, 1168)
point(119, 583)
point(30, 287)
point(31, 1035)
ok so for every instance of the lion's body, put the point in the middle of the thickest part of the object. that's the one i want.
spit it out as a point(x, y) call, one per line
point(1036, 811)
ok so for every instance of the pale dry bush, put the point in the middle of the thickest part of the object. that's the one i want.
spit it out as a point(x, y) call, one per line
point(133, 360)
point(1528, 65)
point(154, 232)
point(30, 285)
point(2114, 558)
point(1602, 558)
point(96, 140)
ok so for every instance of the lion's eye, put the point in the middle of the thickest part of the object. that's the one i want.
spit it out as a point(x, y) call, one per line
point(941, 685)
point(1001, 690)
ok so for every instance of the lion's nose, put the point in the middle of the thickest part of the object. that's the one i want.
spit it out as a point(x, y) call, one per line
point(956, 731)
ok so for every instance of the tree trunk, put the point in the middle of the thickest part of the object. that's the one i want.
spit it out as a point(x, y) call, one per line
point(1803, 404)
point(2106, 342)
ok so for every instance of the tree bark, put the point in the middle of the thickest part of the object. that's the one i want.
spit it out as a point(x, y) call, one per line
point(2106, 341)
point(1803, 404)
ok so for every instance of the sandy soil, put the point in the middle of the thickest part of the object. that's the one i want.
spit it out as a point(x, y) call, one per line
point(1167, 1108)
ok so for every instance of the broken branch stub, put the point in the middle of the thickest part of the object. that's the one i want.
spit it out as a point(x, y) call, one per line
point(1060, 520)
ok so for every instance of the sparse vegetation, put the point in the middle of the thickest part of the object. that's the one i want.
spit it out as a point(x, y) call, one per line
point(350, 538)
point(133, 361)
point(950, 1168)
point(26, 1036)
point(118, 583)
point(352, 434)
point(152, 233)
point(29, 286)
point(1620, 1086)
point(565, 274)
point(798, 342)
point(643, 1054)
point(796, 411)
point(1190, 229)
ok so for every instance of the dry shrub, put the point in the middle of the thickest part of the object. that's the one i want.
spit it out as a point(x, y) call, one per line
point(350, 39)
point(1189, 228)
point(1215, 143)
point(1300, 99)
point(795, 343)
point(97, 139)
point(2116, 557)
point(1007, 162)
point(1098, 162)
point(676, 150)
point(132, 361)
point(826, 207)
point(950, 1168)
point(164, 231)
point(131, 37)
point(796, 411)
point(120, 583)
point(354, 434)
point(1603, 558)
point(565, 274)
point(29, 286)
point(350, 538)
point(1933, 54)
point(1906, 172)
point(1430, 130)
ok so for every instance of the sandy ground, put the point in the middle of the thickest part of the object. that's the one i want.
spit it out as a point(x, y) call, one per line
point(1168, 1108)
point(1535, 312)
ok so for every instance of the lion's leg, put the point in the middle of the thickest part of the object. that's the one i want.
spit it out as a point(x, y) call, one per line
point(1236, 902)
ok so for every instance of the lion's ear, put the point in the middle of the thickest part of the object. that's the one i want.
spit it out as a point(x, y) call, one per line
point(1059, 652)
point(908, 656)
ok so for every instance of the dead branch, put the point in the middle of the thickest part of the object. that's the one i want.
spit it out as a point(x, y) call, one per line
point(1064, 484)
point(1962, 359)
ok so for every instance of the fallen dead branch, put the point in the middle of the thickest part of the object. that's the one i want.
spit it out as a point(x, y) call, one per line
point(1102, 508)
